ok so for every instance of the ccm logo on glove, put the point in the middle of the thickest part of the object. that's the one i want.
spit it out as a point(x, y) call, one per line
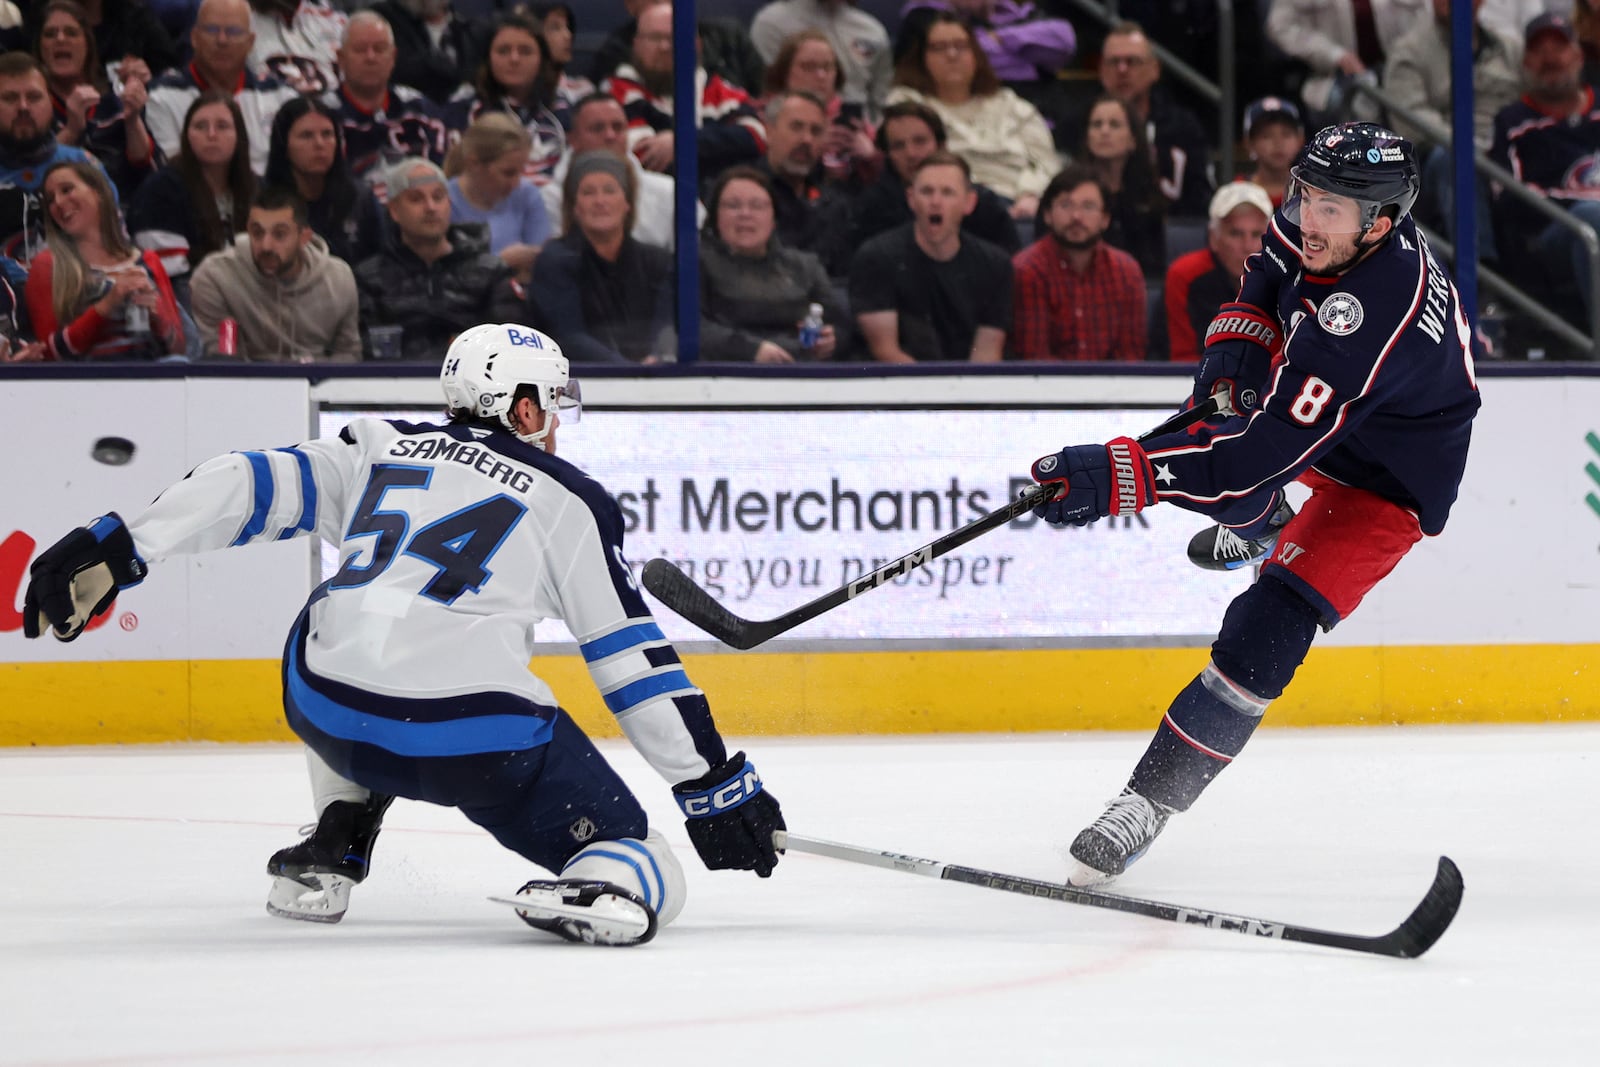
point(722, 797)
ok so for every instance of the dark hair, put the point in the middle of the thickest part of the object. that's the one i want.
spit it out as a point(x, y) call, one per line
point(912, 68)
point(777, 79)
point(278, 197)
point(211, 235)
point(20, 65)
point(492, 92)
point(339, 189)
point(92, 71)
point(945, 158)
point(743, 172)
point(1139, 185)
point(911, 109)
point(1068, 179)
point(589, 100)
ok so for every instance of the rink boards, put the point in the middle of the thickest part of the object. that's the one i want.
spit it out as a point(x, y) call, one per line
point(776, 492)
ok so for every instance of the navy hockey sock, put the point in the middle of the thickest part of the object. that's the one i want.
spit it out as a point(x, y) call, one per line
point(1264, 638)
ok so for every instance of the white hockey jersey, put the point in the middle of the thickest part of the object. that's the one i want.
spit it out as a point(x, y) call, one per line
point(301, 51)
point(454, 542)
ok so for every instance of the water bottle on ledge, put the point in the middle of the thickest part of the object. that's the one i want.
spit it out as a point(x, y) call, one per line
point(811, 328)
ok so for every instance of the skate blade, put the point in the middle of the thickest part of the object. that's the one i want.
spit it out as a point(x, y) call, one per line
point(1082, 876)
point(316, 898)
point(608, 921)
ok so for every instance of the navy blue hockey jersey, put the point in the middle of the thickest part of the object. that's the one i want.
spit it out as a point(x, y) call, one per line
point(1374, 386)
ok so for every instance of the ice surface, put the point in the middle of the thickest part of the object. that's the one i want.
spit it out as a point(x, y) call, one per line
point(134, 932)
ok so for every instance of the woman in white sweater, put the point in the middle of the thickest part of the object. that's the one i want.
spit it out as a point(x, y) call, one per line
point(1002, 137)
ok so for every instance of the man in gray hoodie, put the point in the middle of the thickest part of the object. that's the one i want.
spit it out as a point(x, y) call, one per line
point(288, 298)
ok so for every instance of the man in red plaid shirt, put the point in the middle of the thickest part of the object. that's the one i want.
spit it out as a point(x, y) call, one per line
point(1075, 297)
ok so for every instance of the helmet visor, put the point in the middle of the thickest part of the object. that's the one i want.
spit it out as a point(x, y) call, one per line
point(1320, 211)
point(569, 401)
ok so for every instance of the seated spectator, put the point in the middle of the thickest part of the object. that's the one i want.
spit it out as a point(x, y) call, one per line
point(926, 291)
point(307, 157)
point(195, 205)
point(807, 63)
point(509, 79)
point(558, 27)
point(487, 186)
point(1001, 136)
point(809, 219)
point(754, 291)
point(1417, 76)
point(1549, 139)
point(600, 125)
point(91, 295)
point(1274, 135)
point(1076, 297)
point(858, 41)
point(1131, 71)
point(1585, 23)
point(222, 40)
point(27, 152)
point(607, 295)
point(910, 133)
point(289, 299)
point(1115, 150)
point(729, 129)
point(123, 30)
point(432, 279)
point(437, 50)
point(1200, 282)
point(297, 42)
point(1025, 47)
point(725, 49)
point(88, 114)
point(382, 122)
point(1341, 40)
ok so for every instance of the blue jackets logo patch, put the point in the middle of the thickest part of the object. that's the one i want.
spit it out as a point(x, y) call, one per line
point(1340, 314)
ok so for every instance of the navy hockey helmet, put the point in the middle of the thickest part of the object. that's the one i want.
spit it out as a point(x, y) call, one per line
point(1374, 166)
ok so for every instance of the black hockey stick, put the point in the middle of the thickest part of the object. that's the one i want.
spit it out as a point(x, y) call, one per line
point(1425, 925)
point(678, 591)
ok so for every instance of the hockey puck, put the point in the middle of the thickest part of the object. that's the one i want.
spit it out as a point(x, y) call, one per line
point(112, 451)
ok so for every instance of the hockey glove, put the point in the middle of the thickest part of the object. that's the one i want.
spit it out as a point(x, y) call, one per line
point(75, 580)
point(1237, 359)
point(731, 817)
point(1095, 480)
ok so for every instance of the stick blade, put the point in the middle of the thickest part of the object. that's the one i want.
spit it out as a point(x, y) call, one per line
point(668, 584)
point(1424, 926)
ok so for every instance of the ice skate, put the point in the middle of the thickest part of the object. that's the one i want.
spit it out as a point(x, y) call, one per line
point(311, 880)
point(591, 913)
point(1119, 836)
point(1219, 548)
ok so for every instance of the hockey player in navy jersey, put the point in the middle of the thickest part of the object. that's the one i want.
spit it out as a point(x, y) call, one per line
point(1346, 363)
point(407, 672)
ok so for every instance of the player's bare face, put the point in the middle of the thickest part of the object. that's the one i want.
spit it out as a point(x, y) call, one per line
point(940, 198)
point(1329, 226)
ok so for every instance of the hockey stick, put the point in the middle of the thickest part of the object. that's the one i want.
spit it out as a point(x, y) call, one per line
point(678, 591)
point(1425, 925)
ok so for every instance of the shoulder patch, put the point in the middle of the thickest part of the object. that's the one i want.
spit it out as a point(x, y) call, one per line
point(1340, 314)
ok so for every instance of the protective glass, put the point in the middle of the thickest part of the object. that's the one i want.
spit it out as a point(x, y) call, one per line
point(569, 401)
point(1320, 211)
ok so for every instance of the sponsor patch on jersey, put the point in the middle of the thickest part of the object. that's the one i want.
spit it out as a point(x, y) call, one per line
point(1340, 314)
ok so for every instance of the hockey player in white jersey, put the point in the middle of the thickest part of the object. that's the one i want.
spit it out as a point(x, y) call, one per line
point(407, 672)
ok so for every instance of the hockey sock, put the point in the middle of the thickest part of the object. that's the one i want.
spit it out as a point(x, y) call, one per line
point(646, 867)
point(1264, 638)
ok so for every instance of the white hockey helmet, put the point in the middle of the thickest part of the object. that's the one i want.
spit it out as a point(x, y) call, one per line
point(486, 364)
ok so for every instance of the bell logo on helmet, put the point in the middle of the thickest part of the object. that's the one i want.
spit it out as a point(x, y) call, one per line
point(527, 340)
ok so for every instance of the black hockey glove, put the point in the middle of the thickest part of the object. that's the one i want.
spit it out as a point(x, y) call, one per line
point(1237, 360)
point(731, 817)
point(75, 580)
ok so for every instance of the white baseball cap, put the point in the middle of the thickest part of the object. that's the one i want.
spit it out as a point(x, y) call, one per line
point(1238, 194)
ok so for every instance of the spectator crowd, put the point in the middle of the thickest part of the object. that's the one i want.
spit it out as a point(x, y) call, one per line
point(962, 180)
